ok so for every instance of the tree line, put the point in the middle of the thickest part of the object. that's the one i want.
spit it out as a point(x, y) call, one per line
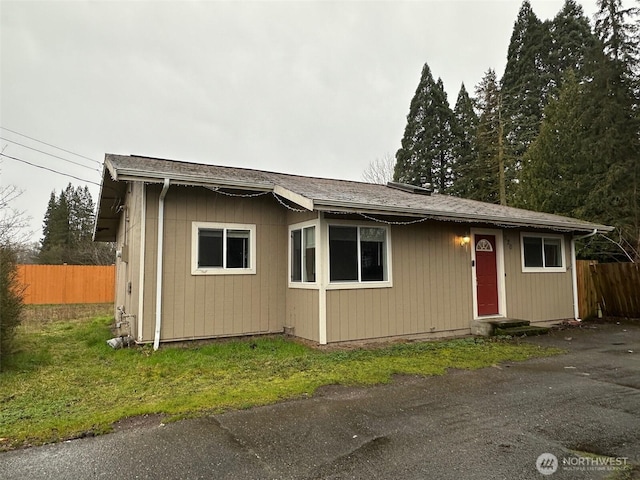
point(558, 133)
point(68, 231)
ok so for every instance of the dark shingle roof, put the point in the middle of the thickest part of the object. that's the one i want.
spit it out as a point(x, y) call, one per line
point(330, 194)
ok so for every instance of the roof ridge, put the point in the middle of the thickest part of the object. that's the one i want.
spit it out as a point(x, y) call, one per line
point(256, 170)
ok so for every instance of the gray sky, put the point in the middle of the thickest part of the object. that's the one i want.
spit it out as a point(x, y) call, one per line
point(313, 88)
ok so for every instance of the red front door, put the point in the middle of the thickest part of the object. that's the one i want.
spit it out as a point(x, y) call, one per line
point(486, 275)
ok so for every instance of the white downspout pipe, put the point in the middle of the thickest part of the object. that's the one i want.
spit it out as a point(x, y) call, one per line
point(574, 273)
point(160, 254)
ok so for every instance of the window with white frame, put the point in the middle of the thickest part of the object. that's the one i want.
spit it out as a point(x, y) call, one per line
point(303, 254)
point(542, 253)
point(222, 249)
point(358, 254)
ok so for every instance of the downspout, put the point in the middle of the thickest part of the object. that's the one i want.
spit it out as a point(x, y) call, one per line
point(574, 274)
point(163, 193)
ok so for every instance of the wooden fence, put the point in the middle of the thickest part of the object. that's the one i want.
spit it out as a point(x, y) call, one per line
point(587, 294)
point(67, 284)
point(615, 287)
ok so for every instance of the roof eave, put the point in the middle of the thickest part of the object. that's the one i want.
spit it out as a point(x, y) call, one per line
point(189, 180)
point(328, 206)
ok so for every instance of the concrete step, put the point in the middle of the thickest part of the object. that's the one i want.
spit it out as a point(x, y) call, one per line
point(521, 331)
point(509, 323)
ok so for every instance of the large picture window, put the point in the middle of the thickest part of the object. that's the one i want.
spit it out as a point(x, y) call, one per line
point(303, 254)
point(222, 248)
point(358, 254)
point(542, 253)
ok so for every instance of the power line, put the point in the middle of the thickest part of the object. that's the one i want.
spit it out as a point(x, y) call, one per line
point(49, 169)
point(50, 145)
point(50, 154)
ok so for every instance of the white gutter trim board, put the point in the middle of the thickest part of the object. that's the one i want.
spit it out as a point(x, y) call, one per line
point(296, 198)
point(574, 273)
point(160, 254)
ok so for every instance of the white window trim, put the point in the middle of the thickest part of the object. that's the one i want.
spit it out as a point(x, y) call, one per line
point(543, 269)
point(358, 285)
point(302, 283)
point(197, 226)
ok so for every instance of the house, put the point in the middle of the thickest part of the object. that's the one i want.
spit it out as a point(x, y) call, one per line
point(208, 251)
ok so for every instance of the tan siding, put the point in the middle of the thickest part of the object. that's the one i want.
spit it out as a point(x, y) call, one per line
point(121, 268)
point(536, 296)
point(128, 241)
point(204, 306)
point(299, 217)
point(302, 312)
point(427, 296)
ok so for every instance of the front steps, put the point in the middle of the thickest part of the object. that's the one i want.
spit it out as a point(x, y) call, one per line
point(504, 327)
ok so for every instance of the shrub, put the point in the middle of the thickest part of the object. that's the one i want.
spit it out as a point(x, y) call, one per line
point(10, 302)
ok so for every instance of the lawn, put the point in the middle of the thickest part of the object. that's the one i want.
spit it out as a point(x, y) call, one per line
point(66, 382)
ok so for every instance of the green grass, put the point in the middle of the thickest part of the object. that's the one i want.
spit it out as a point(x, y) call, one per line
point(67, 382)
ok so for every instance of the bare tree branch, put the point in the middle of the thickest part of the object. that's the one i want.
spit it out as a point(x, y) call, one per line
point(380, 170)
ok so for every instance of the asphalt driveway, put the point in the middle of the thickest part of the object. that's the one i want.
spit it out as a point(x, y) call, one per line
point(493, 423)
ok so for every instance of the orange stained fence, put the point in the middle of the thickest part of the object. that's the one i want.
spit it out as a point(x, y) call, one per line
point(64, 284)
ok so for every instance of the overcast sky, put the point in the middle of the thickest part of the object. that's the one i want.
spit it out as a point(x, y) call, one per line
point(314, 88)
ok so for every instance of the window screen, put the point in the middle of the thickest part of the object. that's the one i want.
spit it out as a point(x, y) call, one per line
point(238, 248)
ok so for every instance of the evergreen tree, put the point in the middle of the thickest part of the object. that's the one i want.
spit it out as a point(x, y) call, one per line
point(491, 172)
point(11, 301)
point(573, 44)
point(425, 155)
point(618, 33)
point(554, 176)
point(442, 165)
point(47, 240)
point(613, 139)
point(465, 164)
point(68, 230)
point(525, 84)
point(56, 244)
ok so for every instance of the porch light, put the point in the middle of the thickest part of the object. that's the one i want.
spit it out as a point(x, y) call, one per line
point(464, 241)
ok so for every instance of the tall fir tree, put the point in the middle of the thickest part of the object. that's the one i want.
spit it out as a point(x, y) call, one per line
point(442, 165)
point(56, 243)
point(68, 230)
point(525, 86)
point(465, 164)
point(554, 177)
point(572, 44)
point(613, 139)
point(425, 154)
point(491, 172)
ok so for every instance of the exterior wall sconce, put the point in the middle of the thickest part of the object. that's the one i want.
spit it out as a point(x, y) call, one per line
point(464, 241)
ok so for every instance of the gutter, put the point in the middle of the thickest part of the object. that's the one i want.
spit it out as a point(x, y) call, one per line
point(160, 254)
point(332, 206)
point(574, 274)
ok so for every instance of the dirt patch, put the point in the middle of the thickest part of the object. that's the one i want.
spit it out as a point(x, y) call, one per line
point(140, 421)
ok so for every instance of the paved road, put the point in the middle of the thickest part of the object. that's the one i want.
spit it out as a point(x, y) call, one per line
point(487, 424)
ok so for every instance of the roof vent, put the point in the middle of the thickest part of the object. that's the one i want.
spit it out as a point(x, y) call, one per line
point(425, 189)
